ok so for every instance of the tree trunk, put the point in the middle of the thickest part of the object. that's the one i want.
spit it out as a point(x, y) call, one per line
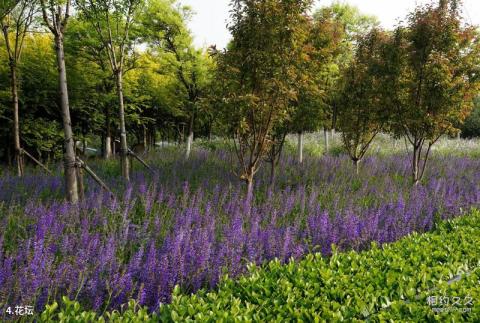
point(14, 93)
point(300, 147)
point(249, 187)
point(332, 136)
point(272, 165)
point(190, 138)
point(84, 143)
point(123, 132)
point(272, 172)
point(108, 147)
point(102, 138)
point(248, 178)
point(209, 135)
point(415, 166)
point(356, 164)
point(145, 141)
point(149, 138)
point(420, 162)
point(154, 138)
point(181, 139)
point(325, 135)
point(107, 153)
point(16, 119)
point(69, 150)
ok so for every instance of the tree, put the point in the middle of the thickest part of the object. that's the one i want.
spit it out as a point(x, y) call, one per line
point(471, 127)
point(309, 112)
point(319, 70)
point(88, 97)
point(42, 131)
point(40, 120)
point(339, 24)
point(434, 67)
point(87, 52)
point(315, 68)
point(55, 16)
point(277, 142)
point(155, 95)
point(113, 20)
point(15, 27)
point(260, 70)
point(166, 28)
point(154, 99)
point(361, 113)
point(6, 6)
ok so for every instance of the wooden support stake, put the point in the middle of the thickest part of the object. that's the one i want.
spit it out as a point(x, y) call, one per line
point(90, 172)
point(23, 151)
point(131, 153)
point(140, 160)
point(81, 187)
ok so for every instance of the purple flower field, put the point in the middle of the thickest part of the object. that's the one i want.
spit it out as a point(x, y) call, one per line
point(189, 223)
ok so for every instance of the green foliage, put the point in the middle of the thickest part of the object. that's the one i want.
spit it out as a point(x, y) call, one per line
point(164, 23)
point(352, 20)
point(361, 113)
point(37, 96)
point(337, 28)
point(434, 72)
point(433, 77)
point(346, 24)
point(337, 150)
point(155, 98)
point(471, 127)
point(6, 6)
point(318, 75)
point(70, 311)
point(259, 73)
point(86, 75)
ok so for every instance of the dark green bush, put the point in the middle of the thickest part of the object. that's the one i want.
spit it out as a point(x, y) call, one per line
point(471, 127)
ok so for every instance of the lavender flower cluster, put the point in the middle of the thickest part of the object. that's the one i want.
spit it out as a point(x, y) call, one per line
point(161, 230)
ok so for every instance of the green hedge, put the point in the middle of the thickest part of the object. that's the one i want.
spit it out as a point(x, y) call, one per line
point(393, 283)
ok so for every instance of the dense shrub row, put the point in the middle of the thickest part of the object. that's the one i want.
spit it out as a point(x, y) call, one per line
point(409, 280)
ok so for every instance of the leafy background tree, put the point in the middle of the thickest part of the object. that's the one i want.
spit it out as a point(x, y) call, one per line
point(113, 21)
point(260, 68)
point(338, 28)
point(361, 113)
point(166, 28)
point(434, 77)
point(471, 127)
point(15, 27)
point(87, 61)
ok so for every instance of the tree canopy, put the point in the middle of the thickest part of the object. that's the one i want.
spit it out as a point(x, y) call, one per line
point(135, 76)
